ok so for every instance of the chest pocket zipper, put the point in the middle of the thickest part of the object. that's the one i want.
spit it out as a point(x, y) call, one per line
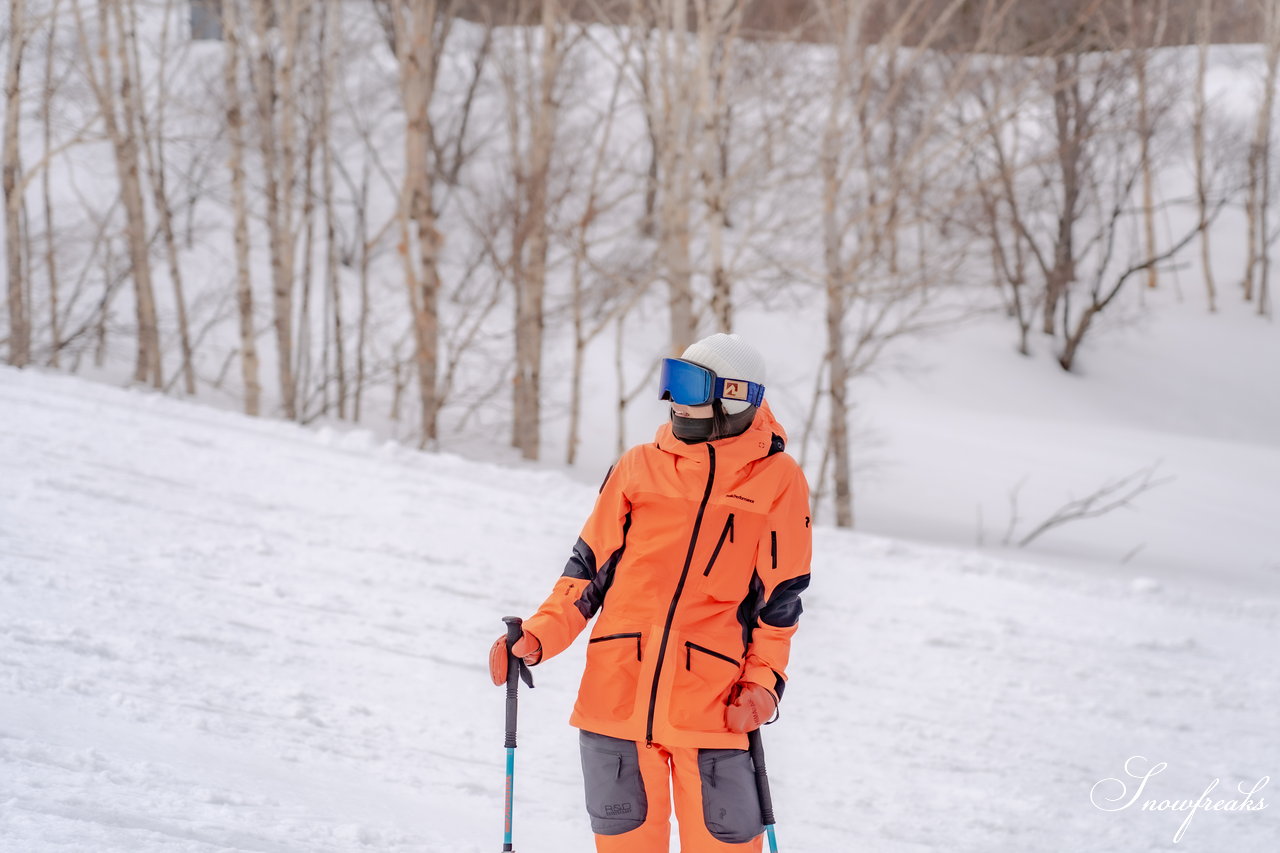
point(690, 648)
point(727, 532)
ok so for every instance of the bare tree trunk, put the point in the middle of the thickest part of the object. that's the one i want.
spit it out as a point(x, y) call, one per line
point(1146, 31)
point(362, 325)
point(302, 369)
point(239, 204)
point(331, 38)
point(1256, 246)
point(155, 173)
point(671, 103)
point(1263, 145)
point(420, 31)
point(532, 238)
point(123, 134)
point(270, 88)
point(717, 26)
point(19, 320)
point(46, 125)
point(846, 29)
point(1204, 34)
point(1144, 143)
point(1068, 121)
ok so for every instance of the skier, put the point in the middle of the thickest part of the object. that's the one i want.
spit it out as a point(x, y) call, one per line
point(695, 557)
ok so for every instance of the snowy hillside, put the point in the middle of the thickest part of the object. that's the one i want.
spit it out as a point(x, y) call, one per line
point(222, 634)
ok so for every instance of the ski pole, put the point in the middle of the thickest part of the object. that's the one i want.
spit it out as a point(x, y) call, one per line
point(515, 671)
point(762, 787)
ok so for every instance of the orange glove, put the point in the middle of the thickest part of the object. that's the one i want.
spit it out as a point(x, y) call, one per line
point(527, 647)
point(751, 708)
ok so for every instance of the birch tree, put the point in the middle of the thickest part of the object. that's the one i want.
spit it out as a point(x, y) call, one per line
point(276, 104)
point(671, 114)
point(1199, 118)
point(1257, 207)
point(152, 139)
point(239, 206)
point(532, 104)
point(15, 250)
point(419, 31)
point(119, 115)
point(717, 26)
point(864, 167)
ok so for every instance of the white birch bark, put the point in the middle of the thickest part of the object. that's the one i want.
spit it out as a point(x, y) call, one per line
point(239, 205)
point(19, 322)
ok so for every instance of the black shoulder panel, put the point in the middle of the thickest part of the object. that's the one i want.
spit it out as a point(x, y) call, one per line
point(593, 596)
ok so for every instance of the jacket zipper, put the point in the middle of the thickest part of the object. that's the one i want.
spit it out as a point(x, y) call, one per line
point(690, 648)
point(634, 635)
point(728, 531)
point(675, 598)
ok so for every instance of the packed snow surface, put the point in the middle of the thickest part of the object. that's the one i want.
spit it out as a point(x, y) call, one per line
point(226, 634)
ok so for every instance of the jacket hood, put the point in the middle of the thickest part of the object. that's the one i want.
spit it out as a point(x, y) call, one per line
point(764, 437)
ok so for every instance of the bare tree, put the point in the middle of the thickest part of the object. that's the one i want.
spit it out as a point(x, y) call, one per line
point(119, 114)
point(1204, 36)
point(670, 112)
point(1103, 291)
point(19, 321)
point(532, 103)
point(1111, 495)
point(274, 96)
point(717, 25)
point(419, 31)
point(870, 300)
point(1257, 208)
point(330, 52)
point(239, 206)
point(47, 95)
point(1146, 29)
point(152, 143)
point(601, 289)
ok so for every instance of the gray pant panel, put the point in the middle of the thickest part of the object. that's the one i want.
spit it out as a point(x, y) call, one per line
point(730, 801)
point(616, 799)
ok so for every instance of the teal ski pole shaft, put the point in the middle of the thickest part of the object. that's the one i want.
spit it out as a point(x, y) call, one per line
point(762, 788)
point(514, 665)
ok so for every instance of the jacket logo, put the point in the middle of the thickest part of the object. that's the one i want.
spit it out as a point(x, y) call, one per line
point(741, 498)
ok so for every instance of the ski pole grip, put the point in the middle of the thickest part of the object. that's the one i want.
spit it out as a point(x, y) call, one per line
point(762, 777)
point(514, 630)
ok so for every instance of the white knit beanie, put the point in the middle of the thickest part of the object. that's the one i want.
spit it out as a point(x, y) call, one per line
point(731, 358)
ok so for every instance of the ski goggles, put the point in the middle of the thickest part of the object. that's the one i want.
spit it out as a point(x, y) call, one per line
point(692, 384)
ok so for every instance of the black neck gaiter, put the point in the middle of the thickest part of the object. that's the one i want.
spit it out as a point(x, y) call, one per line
point(719, 425)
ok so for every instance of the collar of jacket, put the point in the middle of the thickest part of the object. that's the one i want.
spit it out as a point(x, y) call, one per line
point(733, 452)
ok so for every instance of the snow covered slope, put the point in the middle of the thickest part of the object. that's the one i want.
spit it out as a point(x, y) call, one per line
point(222, 634)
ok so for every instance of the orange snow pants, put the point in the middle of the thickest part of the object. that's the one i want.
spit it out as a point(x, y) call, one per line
point(629, 790)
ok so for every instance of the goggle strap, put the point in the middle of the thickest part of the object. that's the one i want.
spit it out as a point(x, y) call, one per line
point(739, 389)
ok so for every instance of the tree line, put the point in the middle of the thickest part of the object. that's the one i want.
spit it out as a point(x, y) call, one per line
point(318, 207)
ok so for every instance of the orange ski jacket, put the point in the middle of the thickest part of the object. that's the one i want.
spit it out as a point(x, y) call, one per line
point(695, 557)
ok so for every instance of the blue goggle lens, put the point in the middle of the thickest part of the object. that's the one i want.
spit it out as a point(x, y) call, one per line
point(685, 383)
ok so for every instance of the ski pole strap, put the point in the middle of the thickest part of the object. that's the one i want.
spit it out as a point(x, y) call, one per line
point(513, 677)
point(762, 778)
